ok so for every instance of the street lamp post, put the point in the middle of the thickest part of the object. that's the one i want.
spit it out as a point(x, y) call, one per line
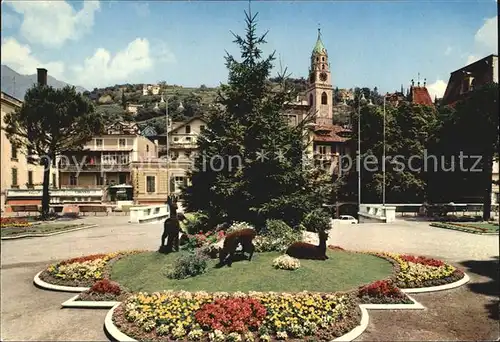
point(362, 99)
point(383, 163)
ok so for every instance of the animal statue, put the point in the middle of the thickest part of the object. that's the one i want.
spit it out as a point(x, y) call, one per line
point(171, 228)
point(304, 250)
point(243, 237)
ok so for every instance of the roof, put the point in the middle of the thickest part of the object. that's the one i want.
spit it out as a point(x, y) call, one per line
point(492, 56)
point(199, 117)
point(319, 47)
point(330, 133)
point(420, 95)
point(9, 98)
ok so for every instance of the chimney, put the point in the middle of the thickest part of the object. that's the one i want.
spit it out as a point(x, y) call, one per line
point(42, 76)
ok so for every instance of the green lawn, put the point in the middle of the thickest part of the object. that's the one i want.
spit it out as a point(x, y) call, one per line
point(342, 271)
point(38, 229)
point(492, 228)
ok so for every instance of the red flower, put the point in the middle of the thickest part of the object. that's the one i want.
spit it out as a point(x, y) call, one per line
point(106, 286)
point(380, 288)
point(422, 260)
point(231, 315)
point(83, 259)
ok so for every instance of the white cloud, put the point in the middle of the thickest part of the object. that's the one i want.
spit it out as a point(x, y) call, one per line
point(52, 23)
point(103, 69)
point(437, 89)
point(9, 21)
point(20, 58)
point(485, 40)
point(141, 8)
point(448, 50)
point(487, 35)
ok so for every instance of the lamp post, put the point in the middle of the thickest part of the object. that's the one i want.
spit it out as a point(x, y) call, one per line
point(167, 143)
point(360, 100)
point(383, 163)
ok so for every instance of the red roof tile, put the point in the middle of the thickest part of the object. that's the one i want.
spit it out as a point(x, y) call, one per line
point(420, 95)
point(329, 133)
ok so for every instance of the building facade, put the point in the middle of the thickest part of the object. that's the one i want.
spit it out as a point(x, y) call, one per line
point(470, 77)
point(108, 161)
point(17, 173)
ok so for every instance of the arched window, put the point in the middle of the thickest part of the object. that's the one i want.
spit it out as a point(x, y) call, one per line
point(324, 99)
point(310, 99)
point(322, 59)
point(323, 67)
point(317, 59)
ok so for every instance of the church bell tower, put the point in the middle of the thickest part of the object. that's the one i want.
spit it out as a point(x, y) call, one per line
point(320, 90)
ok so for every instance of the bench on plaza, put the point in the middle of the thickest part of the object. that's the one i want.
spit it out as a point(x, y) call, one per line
point(30, 208)
point(93, 209)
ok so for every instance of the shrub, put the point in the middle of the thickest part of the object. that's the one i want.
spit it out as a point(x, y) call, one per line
point(203, 239)
point(277, 236)
point(196, 222)
point(239, 226)
point(232, 315)
point(316, 221)
point(286, 262)
point(106, 286)
point(188, 265)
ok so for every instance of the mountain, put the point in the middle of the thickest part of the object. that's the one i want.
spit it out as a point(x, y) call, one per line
point(21, 83)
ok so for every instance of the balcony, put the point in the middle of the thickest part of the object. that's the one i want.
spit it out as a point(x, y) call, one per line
point(125, 167)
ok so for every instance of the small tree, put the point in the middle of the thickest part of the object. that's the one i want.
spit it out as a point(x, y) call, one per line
point(52, 121)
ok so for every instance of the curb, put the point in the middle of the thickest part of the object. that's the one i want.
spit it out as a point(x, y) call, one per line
point(40, 283)
point(49, 234)
point(111, 328)
point(415, 306)
point(449, 286)
point(73, 303)
point(463, 230)
point(357, 331)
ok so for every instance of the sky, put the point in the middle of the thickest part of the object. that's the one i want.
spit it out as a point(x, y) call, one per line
point(381, 44)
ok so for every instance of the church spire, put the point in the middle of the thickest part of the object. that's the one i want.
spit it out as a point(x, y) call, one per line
point(319, 47)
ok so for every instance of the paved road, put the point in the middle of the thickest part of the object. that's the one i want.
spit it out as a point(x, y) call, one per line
point(29, 313)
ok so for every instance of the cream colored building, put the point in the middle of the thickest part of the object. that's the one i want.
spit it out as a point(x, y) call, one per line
point(107, 160)
point(182, 146)
point(16, 172)
point(133, 108)
point(153, 88)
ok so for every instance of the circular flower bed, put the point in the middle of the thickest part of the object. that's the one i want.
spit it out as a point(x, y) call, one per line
point(238, 316)
point(81, 271)
point(250, 316)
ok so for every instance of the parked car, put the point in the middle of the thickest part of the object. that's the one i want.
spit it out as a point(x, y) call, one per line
point(346, 219)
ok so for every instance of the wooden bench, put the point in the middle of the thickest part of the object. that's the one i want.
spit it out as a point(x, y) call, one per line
point(31, 208)
point(93, 209)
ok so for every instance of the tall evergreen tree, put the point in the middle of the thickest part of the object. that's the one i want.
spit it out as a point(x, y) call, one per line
point(249, 166)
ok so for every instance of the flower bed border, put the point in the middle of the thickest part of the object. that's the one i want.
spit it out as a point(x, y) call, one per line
point(450, 226)
point(74, 303)
point(44, 285)
point(48, 234)
point(462, 281)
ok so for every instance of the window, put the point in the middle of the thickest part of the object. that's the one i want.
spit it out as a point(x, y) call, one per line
point(188, 129)
point(30, 177)
point(147, 148)
point(98, 143)
point(202, 128)
point(310, 99)
point(13, 153)
point(14, 177)
point(73, 180)
point(322, 150)
point(187, 154)
point(324, 98)
point(122, 178)
point(176, 139)
point(322, 59)
point(150, 184)
point(54, 180)
point(323, 67)
point(122, 142)
point(188, 138)
point(99, 180)
point(317, 59)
